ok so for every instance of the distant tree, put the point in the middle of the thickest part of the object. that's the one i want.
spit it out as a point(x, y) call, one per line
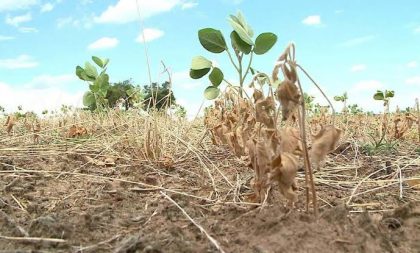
point(158, 96)
point(125, 91)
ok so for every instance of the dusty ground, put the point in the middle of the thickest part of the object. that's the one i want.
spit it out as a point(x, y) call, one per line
point(67, 193)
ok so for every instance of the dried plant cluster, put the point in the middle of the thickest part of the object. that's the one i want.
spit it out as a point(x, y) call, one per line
point(251, 129)
point(30, 122)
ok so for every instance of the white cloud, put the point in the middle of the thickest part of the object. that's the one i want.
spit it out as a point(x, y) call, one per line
point(188, 5)
point(49, 81)
point(11, 5)
point(47, 7)
point(34, 98)
point(104, 43)
point(150, 34)
point(357, 41)
point(21, 62)
point(17, 20)
point(86, 22)
point(412, 64)
point(125, 11)
point(312, 20)
point(368, 85)
point(28, 30)
point(5, 38)
point(415, 80)
point(417, 29)
point(61, 22)
point(358, 68)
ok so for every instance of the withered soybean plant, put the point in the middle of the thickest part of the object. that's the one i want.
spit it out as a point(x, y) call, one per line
point(249, 126)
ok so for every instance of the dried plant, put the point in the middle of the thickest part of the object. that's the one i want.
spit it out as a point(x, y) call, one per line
point(10, 123)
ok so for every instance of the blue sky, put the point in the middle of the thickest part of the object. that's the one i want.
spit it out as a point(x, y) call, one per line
point(354, 46)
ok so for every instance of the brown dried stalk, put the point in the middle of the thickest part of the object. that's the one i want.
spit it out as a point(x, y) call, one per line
point(289, 58)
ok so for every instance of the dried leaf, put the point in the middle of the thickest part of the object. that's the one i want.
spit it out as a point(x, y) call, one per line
point(289, 97)
point(285, 167)
point(414, 183)
point(324, 142)
point(290, 140)
point(264, 110)
point(75, 131)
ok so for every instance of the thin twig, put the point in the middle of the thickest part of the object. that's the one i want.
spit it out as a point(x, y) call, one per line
point(33, 239)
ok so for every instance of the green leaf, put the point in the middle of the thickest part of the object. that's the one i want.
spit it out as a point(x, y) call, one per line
point(105, 61)
point(94, 87)
point(101, 62)
point(88, 99)
point(102, 92)
point(241, 31)
point(379, 95)
point(81, 73)
point(252, 70)
point(389, 94)
point(212, 40)
point(264, 42)
point(197, 74)
point(200, 62)
point(211, 92)
point(338, 98)
point(90, 70)
point(239, 44)
point(245, 24)
point(216, 76)
point(102, 80)
point(98, 61)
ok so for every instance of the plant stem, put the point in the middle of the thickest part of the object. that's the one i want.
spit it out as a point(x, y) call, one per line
point(241, 78)
point(231, 60)
point(308, 170)
point(249, 65)
point(319, 88)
